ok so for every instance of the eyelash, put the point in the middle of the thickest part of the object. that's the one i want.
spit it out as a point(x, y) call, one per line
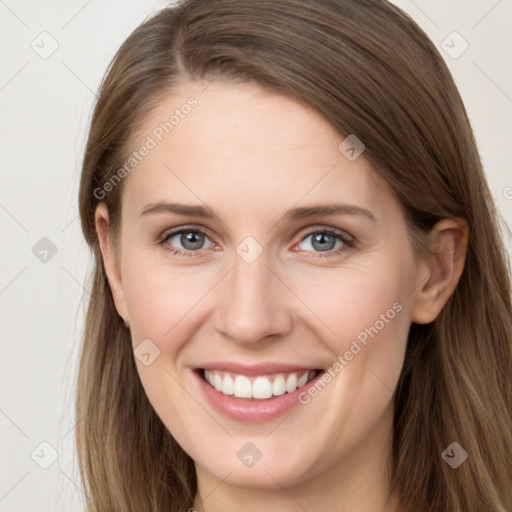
point(348, 242)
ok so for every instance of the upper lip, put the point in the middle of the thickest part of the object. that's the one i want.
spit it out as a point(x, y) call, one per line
point(255, 369)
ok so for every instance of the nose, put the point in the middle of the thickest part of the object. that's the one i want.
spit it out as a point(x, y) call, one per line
point(254, 303)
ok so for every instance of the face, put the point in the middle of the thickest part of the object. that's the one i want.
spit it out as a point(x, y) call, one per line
point(254, 254)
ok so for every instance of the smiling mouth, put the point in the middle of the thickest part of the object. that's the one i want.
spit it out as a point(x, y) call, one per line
point(257, 388)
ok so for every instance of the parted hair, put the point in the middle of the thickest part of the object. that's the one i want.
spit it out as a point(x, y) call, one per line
point(369, 70)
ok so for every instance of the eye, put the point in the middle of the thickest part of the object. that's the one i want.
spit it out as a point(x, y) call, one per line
point(185, 241)
point(188, 241)
point(326, 240)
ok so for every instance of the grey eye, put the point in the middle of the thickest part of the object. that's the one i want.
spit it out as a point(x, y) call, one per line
point(321, 241)
point(188, 239)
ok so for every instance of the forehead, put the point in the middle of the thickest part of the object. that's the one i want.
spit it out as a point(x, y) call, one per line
point(248, 146)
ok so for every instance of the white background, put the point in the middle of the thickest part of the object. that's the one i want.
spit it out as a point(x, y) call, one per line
point(45, 107)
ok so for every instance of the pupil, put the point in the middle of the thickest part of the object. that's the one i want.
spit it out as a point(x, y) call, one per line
point(191, 240)
point(322, 237)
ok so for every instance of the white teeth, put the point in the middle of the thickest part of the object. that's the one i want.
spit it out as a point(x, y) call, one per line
point(278, 386)
point(291, 383)
point(243, 387)
point(261, 388)
point(217, 382)
point(302, 380)
point(228, 385)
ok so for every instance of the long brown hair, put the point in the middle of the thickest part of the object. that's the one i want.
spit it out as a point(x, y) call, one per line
point(369, 70)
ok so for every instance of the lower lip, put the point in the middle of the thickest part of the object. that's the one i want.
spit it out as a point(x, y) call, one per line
point(246, 410)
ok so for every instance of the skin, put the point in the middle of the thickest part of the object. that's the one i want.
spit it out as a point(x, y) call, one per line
point(251, 155)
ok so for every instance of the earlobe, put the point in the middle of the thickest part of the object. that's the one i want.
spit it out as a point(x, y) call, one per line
point(110, 260)
point(441, 270)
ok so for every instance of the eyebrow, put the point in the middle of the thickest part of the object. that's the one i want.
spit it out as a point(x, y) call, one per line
point(294, 214)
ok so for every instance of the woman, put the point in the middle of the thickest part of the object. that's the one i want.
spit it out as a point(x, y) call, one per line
point(300, 300)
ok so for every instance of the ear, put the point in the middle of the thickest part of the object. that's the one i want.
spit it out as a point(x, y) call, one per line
point(441, 270)
point(110, 260)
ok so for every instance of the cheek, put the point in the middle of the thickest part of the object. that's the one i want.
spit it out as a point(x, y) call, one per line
point(364, 315)
point(365, 319)
point(158, 296)
point(162, 301)
point(353, 300)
